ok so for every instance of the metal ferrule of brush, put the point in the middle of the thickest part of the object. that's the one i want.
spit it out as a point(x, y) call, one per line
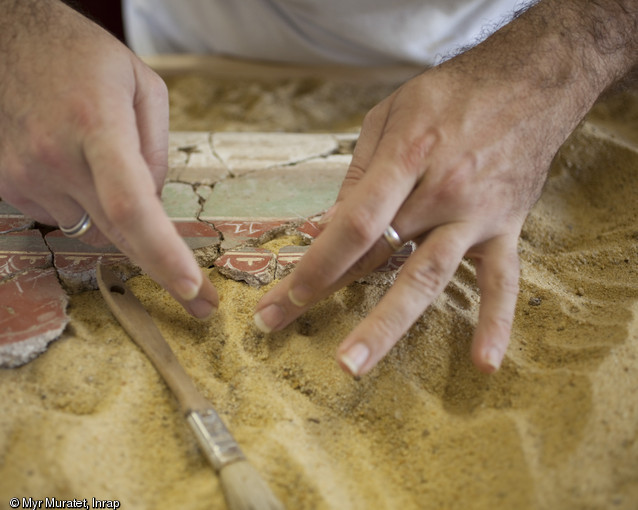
point(214, 438)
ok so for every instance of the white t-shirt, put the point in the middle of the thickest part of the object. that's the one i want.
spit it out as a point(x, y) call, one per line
point(355, 32)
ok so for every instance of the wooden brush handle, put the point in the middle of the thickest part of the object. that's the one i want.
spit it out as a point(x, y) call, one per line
point(134, 318)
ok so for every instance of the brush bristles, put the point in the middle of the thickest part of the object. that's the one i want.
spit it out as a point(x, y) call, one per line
point(245, 490)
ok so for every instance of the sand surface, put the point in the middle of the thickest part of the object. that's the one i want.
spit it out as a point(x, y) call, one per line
point(306, 104)
point(555, 428)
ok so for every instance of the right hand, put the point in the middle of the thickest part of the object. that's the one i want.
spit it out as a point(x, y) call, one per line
point(84, 127)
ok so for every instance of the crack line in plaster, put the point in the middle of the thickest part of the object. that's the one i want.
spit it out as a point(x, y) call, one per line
point(53, 257)
point(219, 232)
point(339, 149)
point(211, 145)
point(202, 203)
point(19, 229)
point(43, 231)
point(188, 150)
point(200, 199)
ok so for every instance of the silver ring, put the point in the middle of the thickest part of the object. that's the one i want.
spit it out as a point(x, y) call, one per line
point(392, 238)
point(80, 228)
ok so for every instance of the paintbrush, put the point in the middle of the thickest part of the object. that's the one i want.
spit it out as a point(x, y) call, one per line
point(243, 488)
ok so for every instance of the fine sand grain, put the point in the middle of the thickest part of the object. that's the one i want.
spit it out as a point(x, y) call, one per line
point(555, 428)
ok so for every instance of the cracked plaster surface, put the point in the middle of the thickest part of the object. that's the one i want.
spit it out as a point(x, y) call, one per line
point(247, 152)
point(32, 314)
point(226, 194)
point(191, 159)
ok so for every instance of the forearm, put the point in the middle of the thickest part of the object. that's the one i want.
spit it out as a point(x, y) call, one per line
point(29, 18)
point(601, 37)
point(610, 29)
point(578, 46)
point(20, 15)
point(20, 20)
point(547, 67)
point(29, 29)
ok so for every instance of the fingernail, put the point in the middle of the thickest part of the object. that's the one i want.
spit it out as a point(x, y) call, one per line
point(493, 358)
point(187, 289)
point(200, 308)
point(327, 216)
point(268, 318)
point(355, 357)
point(300, 295)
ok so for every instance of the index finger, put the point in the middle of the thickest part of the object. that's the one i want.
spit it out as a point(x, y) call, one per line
point(371, 132)
point(356, 226)
point(134, 218)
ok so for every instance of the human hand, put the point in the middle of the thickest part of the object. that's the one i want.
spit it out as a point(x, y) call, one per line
point(84, 127)
point(454, 162)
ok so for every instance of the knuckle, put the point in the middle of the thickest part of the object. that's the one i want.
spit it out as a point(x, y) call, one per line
point(360, 227)
point(122, 210)
point(153, 88)
point(416, 150)
point(430, 276)
point(160, 89)
point(355, 173)
point(427, 278)
point(505, 279)
point(373, 117)
point(156, 86)
point(45, 152)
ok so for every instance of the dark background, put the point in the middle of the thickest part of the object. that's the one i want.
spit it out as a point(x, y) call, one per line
point(107, 13)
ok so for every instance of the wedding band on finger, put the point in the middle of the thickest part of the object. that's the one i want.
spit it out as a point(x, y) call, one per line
point(392, 238)
point(80, 228)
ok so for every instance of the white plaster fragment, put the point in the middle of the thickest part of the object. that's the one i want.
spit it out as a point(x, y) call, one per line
point(246, 152)
point(191, 159)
